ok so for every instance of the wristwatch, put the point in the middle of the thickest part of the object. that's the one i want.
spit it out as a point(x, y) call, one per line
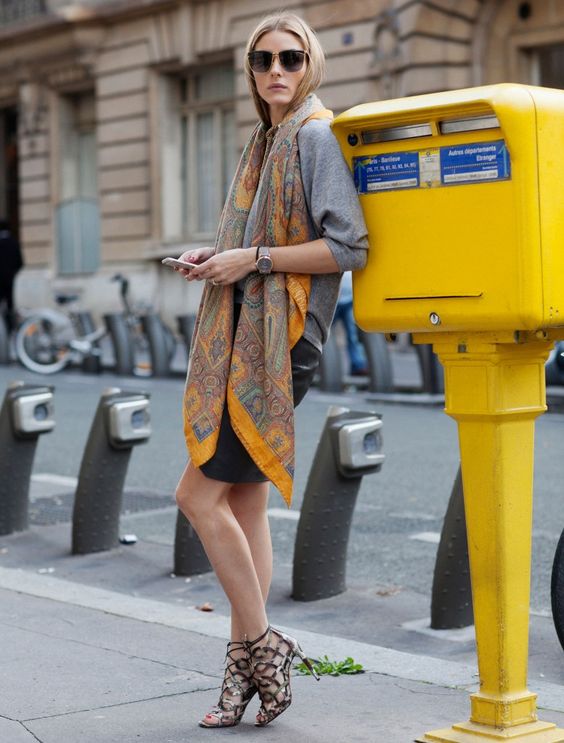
point(264, 260)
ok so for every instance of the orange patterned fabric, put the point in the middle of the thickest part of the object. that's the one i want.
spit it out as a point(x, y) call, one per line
point(253, 372)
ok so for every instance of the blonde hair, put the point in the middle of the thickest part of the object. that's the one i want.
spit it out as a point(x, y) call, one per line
point(315, 70)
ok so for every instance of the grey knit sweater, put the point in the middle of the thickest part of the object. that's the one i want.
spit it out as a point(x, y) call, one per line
point(334, 215)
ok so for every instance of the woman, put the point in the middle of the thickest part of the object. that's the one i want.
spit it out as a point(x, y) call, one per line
point(290, 226)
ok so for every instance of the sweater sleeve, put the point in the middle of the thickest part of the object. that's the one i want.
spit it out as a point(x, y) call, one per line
point(331, 195)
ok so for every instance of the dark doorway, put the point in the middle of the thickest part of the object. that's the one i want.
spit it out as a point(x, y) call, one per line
point(9, 194)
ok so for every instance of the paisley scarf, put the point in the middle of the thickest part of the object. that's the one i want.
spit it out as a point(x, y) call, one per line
point(253, 372)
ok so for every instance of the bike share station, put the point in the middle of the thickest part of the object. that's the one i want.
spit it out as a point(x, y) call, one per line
point(461, 192)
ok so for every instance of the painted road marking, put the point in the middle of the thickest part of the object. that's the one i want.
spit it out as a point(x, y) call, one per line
point(283, 513)
point(427, 536)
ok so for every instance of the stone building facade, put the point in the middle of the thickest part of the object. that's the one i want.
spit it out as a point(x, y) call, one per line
point(121, 120)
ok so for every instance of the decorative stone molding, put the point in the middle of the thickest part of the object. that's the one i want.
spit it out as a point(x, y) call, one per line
point(70, 75)
point(388, 57)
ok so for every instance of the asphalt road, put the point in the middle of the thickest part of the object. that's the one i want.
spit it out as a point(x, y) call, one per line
point(399, 511)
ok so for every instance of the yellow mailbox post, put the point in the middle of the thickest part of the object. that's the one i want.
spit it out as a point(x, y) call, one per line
point(463, 200)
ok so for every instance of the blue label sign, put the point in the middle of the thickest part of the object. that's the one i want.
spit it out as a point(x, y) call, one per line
point(386, 172)
point(471, 163)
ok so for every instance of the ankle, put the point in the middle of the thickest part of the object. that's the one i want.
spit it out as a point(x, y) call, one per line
point(256, 634)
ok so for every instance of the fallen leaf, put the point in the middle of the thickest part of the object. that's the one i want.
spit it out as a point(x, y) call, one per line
point(205, 607)
point(392, 591)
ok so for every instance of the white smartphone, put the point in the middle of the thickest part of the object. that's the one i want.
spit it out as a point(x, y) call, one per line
point(175, 263)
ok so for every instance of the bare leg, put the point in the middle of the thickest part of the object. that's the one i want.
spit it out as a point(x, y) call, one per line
point(233, 543)
point(248, 502)
point(205, 503)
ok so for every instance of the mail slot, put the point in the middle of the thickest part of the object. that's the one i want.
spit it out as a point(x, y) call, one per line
point(461, 192)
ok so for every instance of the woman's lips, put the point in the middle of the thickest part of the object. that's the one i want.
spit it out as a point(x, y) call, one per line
point(277, 87)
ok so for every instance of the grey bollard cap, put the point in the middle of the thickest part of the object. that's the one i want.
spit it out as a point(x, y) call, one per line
point(357, 441)
point(128, 420)
point(31, 409)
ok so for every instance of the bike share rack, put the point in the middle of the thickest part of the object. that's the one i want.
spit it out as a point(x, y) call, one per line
point(92, 362)
point(121, 342)
point(4, 341)
point(186, 325)
point(380, 375)
point(158, 346)
point(331, 366)
point(350, 447)
point(121, 421)
point(26, 413)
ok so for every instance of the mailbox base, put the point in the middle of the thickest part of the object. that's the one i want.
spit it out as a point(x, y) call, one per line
point(494, 389)
point(468, 732)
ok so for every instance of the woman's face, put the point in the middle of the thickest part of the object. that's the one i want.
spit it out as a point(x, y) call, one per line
point(277, 87)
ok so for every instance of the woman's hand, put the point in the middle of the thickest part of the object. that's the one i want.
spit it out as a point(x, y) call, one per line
point(198, 255)
point(225, 268)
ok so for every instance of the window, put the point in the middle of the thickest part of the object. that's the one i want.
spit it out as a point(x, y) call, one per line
point(78, 220)
point(199, 152)
point(16, 10)
point(548, 66)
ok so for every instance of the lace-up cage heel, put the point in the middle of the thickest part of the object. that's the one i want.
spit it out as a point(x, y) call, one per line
point(271, 657)
point(237, 690)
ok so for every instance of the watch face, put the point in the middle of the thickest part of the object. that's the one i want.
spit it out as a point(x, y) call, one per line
point(264, 264)
point(264, 261)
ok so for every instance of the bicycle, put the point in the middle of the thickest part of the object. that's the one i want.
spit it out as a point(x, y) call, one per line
point(49, 340)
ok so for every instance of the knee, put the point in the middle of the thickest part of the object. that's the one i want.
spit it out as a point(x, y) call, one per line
point(193, 504)
point(187, 503)
point(185, 499)
point(182, 497)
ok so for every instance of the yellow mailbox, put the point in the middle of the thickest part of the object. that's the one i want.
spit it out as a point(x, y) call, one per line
point(462, 195)
point(462, 198)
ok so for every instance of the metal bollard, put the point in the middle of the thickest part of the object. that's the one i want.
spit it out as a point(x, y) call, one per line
point(554, 367)
point(451, 598)
point(189, 555)
point(26, 413)
point(350, 447)
point(121, 421)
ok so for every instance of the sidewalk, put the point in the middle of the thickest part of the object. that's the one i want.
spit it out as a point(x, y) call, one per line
point(110, 647)
point(84, 664)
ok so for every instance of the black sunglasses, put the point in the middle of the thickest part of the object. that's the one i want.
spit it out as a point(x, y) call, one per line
point(292, 60)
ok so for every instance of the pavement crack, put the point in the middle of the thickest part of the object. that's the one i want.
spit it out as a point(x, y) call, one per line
point(25, 727)
point(19, 722)
point(434, 691)
point(117, 705)
point(116, 651)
